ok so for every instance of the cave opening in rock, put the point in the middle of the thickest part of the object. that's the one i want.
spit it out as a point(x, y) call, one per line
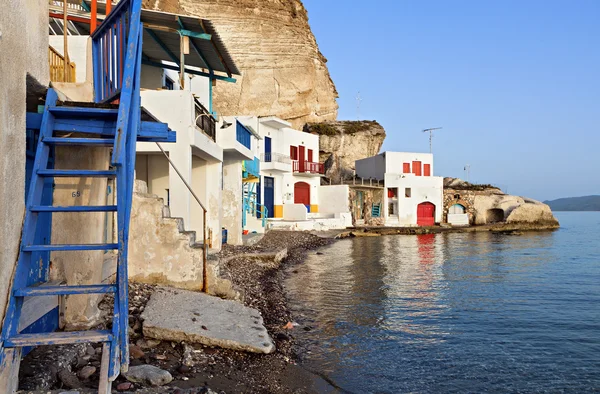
point(495, 215)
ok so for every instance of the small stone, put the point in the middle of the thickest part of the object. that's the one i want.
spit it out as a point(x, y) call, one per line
point(148, 374)
point(86, 372)
point(152, 343)
point(188, 358)
point(90, 351)
point(68, 379)
point(184, 369)
point(282, 337)
point(320, 253)
point(99, 350)
point(204, 328)
point(136, 352)
point(160, 357)
point(307, 328)
point(124, 386)
point(69, 392)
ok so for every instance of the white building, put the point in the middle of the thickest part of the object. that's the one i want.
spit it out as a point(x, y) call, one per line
point(413, 196)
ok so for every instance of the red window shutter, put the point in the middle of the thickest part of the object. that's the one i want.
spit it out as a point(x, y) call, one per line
point(310, 155)
point(416, 167)
point(406, 168)
point(293, 153)
point(427, 169)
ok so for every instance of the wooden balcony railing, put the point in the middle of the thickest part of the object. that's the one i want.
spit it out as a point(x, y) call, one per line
point(307, 167)
point(57, 67)
point(204, 120)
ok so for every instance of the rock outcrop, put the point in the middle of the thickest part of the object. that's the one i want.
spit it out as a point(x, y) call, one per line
point(343, 142)
point(283, 72)
point(487, 204)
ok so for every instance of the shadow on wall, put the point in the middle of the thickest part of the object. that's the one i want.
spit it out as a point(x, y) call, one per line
point(495, 215)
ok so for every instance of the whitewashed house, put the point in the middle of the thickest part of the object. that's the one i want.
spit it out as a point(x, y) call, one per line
point(412, 195)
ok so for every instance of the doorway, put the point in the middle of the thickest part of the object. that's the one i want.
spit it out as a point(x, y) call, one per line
point(302, 194)
point(425, 214)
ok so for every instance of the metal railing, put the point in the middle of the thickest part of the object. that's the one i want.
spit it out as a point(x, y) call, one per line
point(56, 62)
point(252, 207)
point(204, 120)
point(204, 210)
point(307, 167)
point(272, 157)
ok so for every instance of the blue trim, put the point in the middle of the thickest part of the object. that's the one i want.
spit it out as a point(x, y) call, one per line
point(63, 290)
point(193, 34)
point(68, 247)
point(77, 208)
point(77, 173)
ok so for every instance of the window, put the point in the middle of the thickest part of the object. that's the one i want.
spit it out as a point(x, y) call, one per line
point(310, 155)
point(406, 168)
point(407, 192)
point(169, 84)
point(392, 192)
point(294, 152)
point(427, 169)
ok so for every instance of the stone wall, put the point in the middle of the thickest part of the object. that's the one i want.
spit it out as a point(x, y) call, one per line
point(283, 72)
point(465, 198)
point(371, 196)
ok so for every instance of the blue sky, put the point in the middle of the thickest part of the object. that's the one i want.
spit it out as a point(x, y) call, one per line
point(514, 84)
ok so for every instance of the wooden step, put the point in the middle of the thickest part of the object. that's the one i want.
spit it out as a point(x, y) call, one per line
point(81, 112)
point(58, 338)
point(78, 173)
point(64, 290)
point(69, 247)
point(76, 208)
point(61, 141)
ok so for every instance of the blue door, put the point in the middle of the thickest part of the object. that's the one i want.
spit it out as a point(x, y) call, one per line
point(269, 195)
point(267, 149)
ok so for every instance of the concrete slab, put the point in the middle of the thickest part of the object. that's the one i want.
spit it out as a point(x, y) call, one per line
point(182, 315)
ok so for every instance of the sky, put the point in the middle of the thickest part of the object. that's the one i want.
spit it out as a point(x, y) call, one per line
point(515, 84)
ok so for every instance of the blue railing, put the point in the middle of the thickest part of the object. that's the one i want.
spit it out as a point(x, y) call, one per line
point(110, 50)
point(252, 207)
point(251, 168)
point(242, 134)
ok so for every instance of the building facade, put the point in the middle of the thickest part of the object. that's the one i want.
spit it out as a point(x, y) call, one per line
point(412, 195)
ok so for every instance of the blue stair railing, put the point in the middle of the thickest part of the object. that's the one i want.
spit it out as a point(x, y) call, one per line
point(116, 50)
point(250, 206)
point(376, 210)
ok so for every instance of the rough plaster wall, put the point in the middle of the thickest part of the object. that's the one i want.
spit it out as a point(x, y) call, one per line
point(158, 252)
point(80, 267)
point(23, 50)
point(232, 201)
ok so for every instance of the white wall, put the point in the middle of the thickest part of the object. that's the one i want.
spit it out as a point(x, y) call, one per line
point(394, 161)
point(334, 199)
point(423, 189)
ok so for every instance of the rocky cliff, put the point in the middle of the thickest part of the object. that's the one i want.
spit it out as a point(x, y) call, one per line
point(486, 204)
point(283, 72)
point(341, 143)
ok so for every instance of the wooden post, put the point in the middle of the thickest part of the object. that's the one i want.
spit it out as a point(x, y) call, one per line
point(182, 62)
point(93, 16)
point(66, 43)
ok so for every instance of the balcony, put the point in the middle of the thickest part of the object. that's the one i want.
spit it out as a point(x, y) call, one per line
point(204, 120)
point(272, 161)
point(236, 140)
point(307, 168)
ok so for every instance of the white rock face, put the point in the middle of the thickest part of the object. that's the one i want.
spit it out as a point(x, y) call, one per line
point(283, 72)
point(514, 209)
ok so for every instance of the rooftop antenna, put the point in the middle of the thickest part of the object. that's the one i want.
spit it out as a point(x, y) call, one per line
point(358, 100)
point(431, 136)
point(468, 171)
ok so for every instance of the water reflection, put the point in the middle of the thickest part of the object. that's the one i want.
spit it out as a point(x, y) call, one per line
point(452, 312)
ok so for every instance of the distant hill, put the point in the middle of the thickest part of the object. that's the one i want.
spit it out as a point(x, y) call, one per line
point(585, 203)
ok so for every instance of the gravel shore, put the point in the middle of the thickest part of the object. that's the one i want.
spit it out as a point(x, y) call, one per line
point(196, 368)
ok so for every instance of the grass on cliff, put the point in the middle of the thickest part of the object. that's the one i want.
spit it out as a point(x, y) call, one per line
point(347, 127)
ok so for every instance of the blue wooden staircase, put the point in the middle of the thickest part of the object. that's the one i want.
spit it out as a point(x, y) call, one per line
point(117, 64)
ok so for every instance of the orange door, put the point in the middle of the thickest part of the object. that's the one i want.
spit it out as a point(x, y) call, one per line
point(425, 214)
point(416, 165)
point(302, 194)
point(427, 169)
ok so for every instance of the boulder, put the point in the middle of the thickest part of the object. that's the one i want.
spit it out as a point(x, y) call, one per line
point(148, 374)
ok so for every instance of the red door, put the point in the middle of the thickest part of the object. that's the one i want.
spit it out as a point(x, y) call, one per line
point(301, 158)
point(302, 194)
point(425, 214)
point(416, 165)
point(310, 155)
point(427, 169)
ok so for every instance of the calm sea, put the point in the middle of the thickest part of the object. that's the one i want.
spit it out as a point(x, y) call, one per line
point(441, 313)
